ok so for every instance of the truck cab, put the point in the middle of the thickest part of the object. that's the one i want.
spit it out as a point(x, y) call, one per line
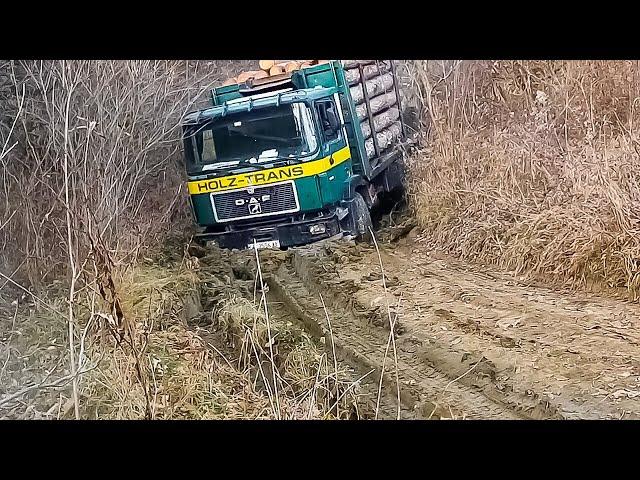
point(279, 163)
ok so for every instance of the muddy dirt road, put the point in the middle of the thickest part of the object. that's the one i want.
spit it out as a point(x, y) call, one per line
point(467, 343)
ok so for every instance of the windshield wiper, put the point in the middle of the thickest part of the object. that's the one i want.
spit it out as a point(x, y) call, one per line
point(245, 164)
point(293, 160)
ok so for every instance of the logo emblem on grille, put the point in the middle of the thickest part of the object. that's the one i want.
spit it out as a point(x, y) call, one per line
point(254, 206)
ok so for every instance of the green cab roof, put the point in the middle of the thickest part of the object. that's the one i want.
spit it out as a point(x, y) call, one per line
point(257, 101)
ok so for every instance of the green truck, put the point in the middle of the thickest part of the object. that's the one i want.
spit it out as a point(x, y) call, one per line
point(289, 160)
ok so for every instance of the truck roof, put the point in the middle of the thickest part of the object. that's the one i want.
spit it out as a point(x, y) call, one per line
point(258, 101)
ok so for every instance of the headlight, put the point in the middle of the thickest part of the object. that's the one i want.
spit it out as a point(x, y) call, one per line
point(317, 229)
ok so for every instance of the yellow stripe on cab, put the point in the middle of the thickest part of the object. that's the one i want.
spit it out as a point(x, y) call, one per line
point(272, 175)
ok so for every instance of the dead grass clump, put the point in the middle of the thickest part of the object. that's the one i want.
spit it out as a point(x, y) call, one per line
point(32, 357)
point(181, 377)
point(532, 166)
point(164, 370)
point(300, 379)
point(186, 381)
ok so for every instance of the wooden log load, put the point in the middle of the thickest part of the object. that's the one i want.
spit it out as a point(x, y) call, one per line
point(292, 66)
point(375, 86)
point(369, 71)
point(266, 64)
point(377, 104)
point(385, 139)
point(276, 70)
point(380, 121)
point(348, 64)
point(270, 68)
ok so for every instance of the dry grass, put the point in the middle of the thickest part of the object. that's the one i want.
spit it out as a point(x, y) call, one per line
point(308, 383)
point(532, 166)
point(32, 355)
point(164, 367)
point(182, 376)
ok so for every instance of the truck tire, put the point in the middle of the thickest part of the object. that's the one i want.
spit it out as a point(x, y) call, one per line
point(361, 218)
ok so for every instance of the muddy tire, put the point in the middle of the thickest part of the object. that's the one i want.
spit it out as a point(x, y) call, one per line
point(361, 219)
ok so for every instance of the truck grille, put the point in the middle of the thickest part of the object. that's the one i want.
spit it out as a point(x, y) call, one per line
point(274, 199)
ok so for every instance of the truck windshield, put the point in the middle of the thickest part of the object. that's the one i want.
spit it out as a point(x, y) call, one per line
point(257, 136)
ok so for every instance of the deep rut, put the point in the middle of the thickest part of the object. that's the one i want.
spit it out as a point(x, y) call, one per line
point(426, 389)
point(469, 343)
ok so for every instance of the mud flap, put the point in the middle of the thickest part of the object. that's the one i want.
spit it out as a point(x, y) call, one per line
point(347, 222)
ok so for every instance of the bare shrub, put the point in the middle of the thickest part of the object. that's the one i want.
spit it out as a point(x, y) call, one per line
point(90, 177)
point(109, 130)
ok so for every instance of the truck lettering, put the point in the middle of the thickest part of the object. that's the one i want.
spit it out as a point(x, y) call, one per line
point(209, 185)
point(266, 176)
point(275, 175)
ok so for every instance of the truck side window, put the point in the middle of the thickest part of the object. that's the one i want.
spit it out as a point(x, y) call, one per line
point(328, 119)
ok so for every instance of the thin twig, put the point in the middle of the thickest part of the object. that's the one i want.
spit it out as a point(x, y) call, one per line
point(270, 340)
point(333, 348)
point(391, 334)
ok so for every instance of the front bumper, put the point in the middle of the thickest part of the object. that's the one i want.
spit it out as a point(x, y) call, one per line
point(289, 233)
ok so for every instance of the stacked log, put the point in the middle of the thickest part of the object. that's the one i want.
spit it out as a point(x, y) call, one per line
point(386, 138)
point(375, 78)
point(369, 71)
point(380, 121)
point(266, 65)
point(375, 86)
point(273, 68)
point(349, 64)
point(277, 69)
point(377, 104)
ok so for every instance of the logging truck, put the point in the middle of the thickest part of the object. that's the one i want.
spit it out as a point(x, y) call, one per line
point(296, 155)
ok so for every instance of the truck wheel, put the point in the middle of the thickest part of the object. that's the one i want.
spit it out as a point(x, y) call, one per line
point(361, 218)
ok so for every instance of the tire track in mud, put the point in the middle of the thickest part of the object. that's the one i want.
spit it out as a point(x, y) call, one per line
point(224, 275)
point(471, 342)
point(432, 383)
point(543, 353)
point(367, 376)
point(436, 378)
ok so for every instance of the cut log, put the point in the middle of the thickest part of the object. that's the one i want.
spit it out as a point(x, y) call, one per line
point(375, 86)
point(377, 104)
point(244, 76)
point(386, 139)
point(276, 70)
point(229, 81)
point(380, 121)
point(260, 74)
point(292, 66)
point(369, 71)
point(347, 64)
point(266, 64)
